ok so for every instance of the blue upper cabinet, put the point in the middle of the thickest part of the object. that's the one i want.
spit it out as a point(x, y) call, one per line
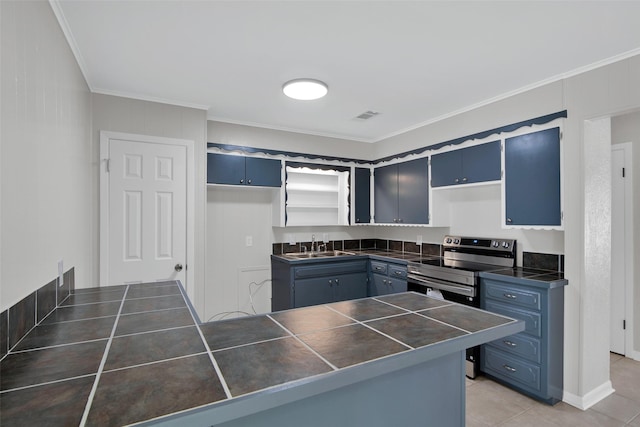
point(479, 163)
point(240, 170)
point(362, 195)
point(263, 172)
point(402, 193)
point(386, 194)
point(532, 179)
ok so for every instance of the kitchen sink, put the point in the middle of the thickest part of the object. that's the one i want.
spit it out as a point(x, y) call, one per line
point(324, 254)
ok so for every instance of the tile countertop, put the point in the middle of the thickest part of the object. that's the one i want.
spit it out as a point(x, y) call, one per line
point(528, 277)
point(125, 354)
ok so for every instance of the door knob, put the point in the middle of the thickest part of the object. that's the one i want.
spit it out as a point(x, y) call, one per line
point(178, 267)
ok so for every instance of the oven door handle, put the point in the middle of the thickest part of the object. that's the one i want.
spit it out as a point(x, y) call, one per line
point(436, 284)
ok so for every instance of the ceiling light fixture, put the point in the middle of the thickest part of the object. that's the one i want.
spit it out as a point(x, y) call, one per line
point(305, 89)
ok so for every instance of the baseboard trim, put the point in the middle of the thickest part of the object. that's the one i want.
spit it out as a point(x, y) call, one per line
point(589, 399)
point(635, 355)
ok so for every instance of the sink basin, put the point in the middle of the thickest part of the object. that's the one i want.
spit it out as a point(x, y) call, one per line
point(325, 254)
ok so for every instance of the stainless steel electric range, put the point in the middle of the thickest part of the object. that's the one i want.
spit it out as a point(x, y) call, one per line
point(455, 274)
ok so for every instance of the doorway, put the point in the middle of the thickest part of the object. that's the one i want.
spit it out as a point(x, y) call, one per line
point(146, 209)
point(621, 338)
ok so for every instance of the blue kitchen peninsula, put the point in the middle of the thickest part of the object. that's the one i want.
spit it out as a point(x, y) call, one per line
point(137, 354)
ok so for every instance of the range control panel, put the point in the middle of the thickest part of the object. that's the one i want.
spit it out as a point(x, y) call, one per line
point(476, 242)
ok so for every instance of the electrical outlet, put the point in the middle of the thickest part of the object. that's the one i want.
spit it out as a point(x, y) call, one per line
point(419, 239)
point(60, 273)
point(249, 240)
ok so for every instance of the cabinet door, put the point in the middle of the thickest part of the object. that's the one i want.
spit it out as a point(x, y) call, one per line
point(413, 191)
point(362, 195)
point(386, 194)
point(481, 163)
point(380, 285)
point(263, 172)
point(350, 286)
point(396, 285)
point(446, 168)
point(313, 291)
point(532, 179)
point(223, 169)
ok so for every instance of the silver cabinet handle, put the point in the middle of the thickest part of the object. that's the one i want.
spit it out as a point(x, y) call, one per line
point(337, 282)
point(330, 282)
point(509, 220)
point(510, 343)
point(509, 368)
point(242, 181)
point(401, 220)
point(457, 180)
point(510, 296)
point(398, 273)
point(249, 182)
point(464, 179)
point(395, 220)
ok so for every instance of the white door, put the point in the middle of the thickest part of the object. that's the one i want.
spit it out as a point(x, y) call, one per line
point(147, 211)
point(618, 255)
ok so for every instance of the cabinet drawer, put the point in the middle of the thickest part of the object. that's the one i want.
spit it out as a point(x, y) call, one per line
point(330, 269)
point(378, 267)
point(532, 320)
point(397, 271)
point(511, 369)
point(520, 345)
point(509, 294)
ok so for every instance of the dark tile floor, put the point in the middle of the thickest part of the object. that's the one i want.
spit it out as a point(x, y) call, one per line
point(140, 350)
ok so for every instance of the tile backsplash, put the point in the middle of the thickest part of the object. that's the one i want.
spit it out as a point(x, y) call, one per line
point(431, 249)
point(19, 319)
point(554, 262)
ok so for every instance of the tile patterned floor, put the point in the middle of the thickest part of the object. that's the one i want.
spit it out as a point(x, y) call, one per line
point(491, 404)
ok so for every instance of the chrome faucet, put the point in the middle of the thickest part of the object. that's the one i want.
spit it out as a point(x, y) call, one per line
point(313, 243)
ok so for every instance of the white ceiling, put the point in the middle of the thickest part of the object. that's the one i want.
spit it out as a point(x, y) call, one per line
point(414, 62)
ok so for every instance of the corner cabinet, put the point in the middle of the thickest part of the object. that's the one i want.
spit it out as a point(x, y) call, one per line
point(531, 361)
point(387, 278)
point(315, 283)
point(479, 163)
point(240, 170)
point(532, 181)
point(401, 193)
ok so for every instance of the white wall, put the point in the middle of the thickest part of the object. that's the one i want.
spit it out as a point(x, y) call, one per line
point(626, 128)
point(46, 162)
point(117, 114)
point(227, 133)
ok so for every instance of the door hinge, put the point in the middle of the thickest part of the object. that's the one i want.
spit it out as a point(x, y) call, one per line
point(624, 324)
point(108, 162)
point(623, 172)
point(561, 135)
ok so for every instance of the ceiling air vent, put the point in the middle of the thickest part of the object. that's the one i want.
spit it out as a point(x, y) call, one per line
point(367, 115)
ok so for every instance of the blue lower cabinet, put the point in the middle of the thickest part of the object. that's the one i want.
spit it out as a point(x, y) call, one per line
point(241, 170)
point(387, 278)
point(530, 361)
point(316, 283)
point(532, 179)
